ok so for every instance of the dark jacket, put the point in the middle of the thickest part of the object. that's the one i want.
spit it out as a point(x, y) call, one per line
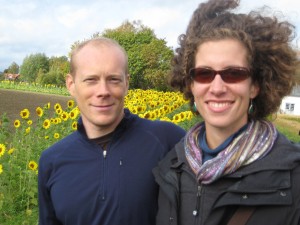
point(78, 185)
point(271, 184)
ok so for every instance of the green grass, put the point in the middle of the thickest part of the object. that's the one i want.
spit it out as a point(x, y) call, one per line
point(31, 218)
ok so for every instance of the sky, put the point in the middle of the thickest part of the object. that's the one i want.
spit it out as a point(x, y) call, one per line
point(52, 26)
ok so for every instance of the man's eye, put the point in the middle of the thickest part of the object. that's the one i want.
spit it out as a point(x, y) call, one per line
point(115, 79)
point(89, 79)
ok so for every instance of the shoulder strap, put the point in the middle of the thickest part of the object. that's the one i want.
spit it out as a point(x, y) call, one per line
point(241, 215)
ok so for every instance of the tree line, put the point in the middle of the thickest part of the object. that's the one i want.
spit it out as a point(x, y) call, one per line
point(148, 58)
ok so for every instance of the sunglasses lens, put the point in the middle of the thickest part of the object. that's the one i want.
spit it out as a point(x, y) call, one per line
point(234, 75)
point(229, 75)
point(202, 75)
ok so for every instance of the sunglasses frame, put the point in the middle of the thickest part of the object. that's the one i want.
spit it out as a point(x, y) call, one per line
point(229, 75)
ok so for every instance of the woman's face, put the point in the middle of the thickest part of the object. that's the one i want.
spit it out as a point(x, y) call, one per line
point(223, 105)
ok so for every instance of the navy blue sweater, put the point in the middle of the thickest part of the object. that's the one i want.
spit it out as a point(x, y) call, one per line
point(79, 186)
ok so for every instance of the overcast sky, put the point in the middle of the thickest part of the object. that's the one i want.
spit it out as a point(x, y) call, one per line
point(52, 26)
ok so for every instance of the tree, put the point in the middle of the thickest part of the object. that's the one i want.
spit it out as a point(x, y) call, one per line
point(158, 61)
point(33, 65)
point(148, 56)
point(54, 76)
point(61, 63)
point(59, 67)
point(13, 68)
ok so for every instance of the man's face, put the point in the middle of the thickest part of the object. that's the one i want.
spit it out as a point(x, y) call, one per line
point(99, 87)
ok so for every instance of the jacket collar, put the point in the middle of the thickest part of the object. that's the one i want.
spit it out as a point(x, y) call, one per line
point(284, 153)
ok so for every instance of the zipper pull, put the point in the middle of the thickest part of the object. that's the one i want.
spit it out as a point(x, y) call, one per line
point(195, 211)
point(104, 153)
point(199, 191)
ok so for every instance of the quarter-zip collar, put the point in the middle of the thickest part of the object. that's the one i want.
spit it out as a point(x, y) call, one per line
point(122, 126)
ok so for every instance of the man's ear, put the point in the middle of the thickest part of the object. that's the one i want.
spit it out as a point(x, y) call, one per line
point(127, 82)
point(70, 84)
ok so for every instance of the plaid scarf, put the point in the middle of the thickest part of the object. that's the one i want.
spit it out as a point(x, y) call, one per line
point(252, 144)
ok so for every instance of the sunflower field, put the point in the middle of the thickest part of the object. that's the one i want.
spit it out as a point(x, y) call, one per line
point(24, 138)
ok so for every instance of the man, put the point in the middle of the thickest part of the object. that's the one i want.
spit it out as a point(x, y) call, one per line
point(101, 174)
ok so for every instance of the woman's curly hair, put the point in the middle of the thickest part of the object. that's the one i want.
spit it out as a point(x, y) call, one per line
point(271, 57)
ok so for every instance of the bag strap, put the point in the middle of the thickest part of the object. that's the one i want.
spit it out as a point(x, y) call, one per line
point(241, 215)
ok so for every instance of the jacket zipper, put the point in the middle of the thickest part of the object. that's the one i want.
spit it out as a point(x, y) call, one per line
point(104, 175)
point(197, 207)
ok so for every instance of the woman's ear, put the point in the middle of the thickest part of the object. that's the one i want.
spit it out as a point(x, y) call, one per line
point(254, 90)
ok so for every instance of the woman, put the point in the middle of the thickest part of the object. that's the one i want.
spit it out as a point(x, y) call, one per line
point(235, 167)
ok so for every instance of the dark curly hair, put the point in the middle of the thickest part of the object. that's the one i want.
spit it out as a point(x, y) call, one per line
point(271, 57)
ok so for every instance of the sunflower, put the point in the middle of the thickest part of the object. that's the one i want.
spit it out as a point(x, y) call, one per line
point(140, 109)
point(39, 111)
point(57, 106)
point(2, 149)
point(33, 165)
point(73, 114)
point(25, 113)
point(149, 115)
point(56, 135)
point(64, 116)
point(58, 111)
point(46, 124)
point(27, 130)
point(10, 151)
point(165, 119)
point(74, 125)
point(176, 119)
point(47, 106)
point(29, 122)
point(17, 123)
point(134, 110)
point(54, 120)
point(189, 115)
point(1, 169)
point(71, 104)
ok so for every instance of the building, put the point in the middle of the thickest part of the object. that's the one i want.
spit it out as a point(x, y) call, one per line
point(291, 103)
point(11, 76)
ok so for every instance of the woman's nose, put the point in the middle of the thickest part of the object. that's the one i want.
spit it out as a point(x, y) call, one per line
point(218, 86)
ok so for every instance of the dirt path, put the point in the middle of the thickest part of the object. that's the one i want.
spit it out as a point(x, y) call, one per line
point(12, 102)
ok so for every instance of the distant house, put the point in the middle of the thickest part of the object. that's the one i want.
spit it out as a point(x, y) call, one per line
point(11, 76)
point(291, 104)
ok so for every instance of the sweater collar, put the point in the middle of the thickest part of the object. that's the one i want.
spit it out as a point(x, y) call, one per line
point(123, 125)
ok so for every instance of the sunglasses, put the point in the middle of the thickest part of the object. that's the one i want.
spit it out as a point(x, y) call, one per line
point(228, 75)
